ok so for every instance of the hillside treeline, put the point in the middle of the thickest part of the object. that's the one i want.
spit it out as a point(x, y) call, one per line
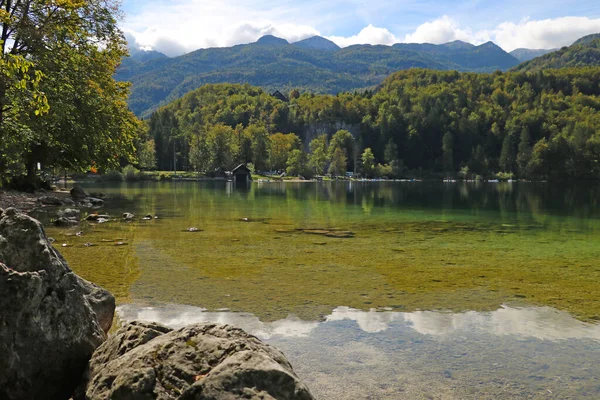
point(544, 124)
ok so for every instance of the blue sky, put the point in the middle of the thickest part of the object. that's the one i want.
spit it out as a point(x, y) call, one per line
point(178, 26)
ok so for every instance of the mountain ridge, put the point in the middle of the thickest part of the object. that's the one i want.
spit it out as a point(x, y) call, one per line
point(585, 52)
point(314, 64)
point(523, 54)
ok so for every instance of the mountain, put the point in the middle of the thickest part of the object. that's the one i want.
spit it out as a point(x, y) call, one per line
point(583, 53)
point(142, 56)
point(485, 58)
point(318, 43)
point(529, 54)
point(129, 65)
point(270, 40)
point(457, 44)
point(313, 64)
point(588, 39)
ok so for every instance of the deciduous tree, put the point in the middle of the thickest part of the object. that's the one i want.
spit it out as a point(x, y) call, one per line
point(66, 53)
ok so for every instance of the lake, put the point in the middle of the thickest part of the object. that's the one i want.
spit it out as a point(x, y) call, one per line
point(379, 290)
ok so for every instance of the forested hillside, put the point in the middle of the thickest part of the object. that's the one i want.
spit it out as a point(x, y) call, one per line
point(315, 64)
point(584, 52)
point(539, 125)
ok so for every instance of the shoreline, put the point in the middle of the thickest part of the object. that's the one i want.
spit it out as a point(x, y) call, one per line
point(27, 202)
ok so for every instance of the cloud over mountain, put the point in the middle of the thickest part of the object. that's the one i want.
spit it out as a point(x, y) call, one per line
point(368, 35)
point(187, 25)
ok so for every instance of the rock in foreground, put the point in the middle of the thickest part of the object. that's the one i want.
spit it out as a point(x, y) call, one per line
point(203, 361)
point(49, 317)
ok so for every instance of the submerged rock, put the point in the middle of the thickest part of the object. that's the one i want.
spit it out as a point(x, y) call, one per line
point(65, 222)
point(69, 213)
point(128, 216)
point(50, 201)
point(95, 202)
point(51, 320)
point(97, 217)
point(203, 361)
point(67, 217)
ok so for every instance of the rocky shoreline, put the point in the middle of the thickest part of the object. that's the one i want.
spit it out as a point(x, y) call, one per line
point(54, 341)
point(27, 202)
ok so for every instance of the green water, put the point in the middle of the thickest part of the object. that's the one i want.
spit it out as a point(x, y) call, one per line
point(414, 246)
point(432, 290)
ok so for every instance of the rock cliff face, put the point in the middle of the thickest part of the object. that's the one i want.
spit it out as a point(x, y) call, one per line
point(51, 320)
point(204, 361)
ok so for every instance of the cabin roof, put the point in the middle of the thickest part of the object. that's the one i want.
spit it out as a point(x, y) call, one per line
point(278, 95)
point(241, 167)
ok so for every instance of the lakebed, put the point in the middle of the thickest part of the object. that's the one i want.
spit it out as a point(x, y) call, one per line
point(334, 257)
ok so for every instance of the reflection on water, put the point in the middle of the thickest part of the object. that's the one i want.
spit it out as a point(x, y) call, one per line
point(580, 200)
point(178, 316)
point(542, 323)
point(415, 246)
point(534, 352)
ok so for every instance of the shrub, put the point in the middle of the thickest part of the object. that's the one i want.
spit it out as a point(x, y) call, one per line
point(164, 176)
point(112, 176)
point(504, 176)
point(131, 173)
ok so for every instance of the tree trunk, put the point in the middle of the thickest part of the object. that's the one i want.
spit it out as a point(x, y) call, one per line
point(31, 164)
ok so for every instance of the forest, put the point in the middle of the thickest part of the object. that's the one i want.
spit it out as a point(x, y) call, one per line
point(418, 123)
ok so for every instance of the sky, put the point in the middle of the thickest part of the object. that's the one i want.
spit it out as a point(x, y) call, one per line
point(175, 27)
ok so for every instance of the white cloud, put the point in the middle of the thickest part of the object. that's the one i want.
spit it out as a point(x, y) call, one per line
point(442, 30)
point(368, 35)
point(192, 24)
point(186, 38)
point(545, 34)
point(249, 32)
point(187, 25)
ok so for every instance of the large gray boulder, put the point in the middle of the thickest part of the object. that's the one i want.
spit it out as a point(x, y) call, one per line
point(203, 361)
point(77, 193)
point(51, 320)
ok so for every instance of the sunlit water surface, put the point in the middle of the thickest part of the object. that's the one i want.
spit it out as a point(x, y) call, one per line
point(432, 291)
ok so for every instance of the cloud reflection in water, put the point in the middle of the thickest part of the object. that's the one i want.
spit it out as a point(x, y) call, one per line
point(542, 323)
